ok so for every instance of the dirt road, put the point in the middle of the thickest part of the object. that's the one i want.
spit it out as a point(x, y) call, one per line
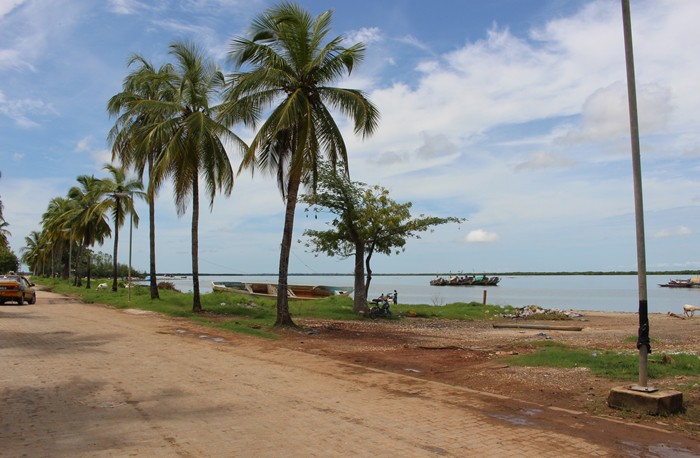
point(87, 380)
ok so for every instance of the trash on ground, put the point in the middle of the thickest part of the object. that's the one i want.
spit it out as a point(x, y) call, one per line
point(536, 312)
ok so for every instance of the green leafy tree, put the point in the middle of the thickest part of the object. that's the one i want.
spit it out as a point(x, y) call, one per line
point(293, 65)
point(366, 221)
point(129, 137)
point(8, 261)
point(193, 140)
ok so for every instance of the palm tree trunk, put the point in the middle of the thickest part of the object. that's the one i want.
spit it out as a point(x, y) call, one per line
point(360, 297)
point(87, 253)
point(116, 246)
point(152, 234)
point(284, 318)
point(65, 270)
point(196, 302)
point(78, 262)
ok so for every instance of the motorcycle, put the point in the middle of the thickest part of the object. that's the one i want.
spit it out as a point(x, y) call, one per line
point(380, 308)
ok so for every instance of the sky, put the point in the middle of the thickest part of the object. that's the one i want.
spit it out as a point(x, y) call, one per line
point(509, 113)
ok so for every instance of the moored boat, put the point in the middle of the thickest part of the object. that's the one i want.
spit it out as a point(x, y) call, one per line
point(300, 292)
point(679, 283)
point(456, 280)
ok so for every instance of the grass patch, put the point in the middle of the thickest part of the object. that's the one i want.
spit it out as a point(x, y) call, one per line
point(609, 364)
point(455, 311)
point(255, 315)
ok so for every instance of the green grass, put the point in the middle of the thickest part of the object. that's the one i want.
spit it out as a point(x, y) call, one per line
point(455, 311)
point(609, 364)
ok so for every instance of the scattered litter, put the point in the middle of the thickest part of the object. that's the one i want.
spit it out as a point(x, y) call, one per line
point(410, 369)
point(218, 339)
point(542, 334)
point(203, 336)
point(311, 332)
point(180, 331)
point(223, 303)
point(531, 310)
point(536, 326)
point(594, 354)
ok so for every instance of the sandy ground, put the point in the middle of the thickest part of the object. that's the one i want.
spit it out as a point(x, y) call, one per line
point(471, 354)
point(88, 380)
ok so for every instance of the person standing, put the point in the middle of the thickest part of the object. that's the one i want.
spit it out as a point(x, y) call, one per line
point(396, 297)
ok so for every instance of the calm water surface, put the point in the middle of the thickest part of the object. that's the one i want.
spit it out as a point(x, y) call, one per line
point(615, 293)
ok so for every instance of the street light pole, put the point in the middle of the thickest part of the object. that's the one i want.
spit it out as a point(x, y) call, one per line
point(643, 342)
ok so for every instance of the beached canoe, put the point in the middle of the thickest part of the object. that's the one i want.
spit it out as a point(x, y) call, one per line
point(301, 292)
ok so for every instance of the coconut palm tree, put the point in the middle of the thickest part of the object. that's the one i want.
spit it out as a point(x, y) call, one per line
point(293, 65)
point(4, 233)
point(30, 253)
point(130, 145)
point(56, 222)
point(118, 191)
point(193, 140)
point(88, 219)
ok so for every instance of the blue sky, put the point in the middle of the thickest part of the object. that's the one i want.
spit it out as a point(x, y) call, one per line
point(510, 113)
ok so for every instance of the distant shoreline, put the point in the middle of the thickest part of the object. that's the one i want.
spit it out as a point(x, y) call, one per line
point(429, 274)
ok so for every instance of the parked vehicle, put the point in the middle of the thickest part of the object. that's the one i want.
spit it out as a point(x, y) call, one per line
point(380, 307)
point(16, 288)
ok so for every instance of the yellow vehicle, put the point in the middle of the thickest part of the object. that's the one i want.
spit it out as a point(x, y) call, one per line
point(16, 288)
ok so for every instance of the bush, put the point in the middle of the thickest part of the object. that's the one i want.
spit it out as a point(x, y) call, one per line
point(8, 261)
point(168, 285)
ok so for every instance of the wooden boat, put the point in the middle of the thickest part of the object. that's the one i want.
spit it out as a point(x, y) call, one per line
point(300, 292)
point(678, 284)
point(456, 280)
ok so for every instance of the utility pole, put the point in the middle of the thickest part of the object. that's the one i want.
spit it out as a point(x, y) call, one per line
point(643, 343)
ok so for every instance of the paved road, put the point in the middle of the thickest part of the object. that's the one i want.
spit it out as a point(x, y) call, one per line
point(86, 380)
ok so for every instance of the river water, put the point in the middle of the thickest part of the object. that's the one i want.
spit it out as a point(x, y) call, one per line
point(614, 293)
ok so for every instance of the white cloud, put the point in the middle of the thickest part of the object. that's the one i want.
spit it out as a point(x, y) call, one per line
point(101, 157)
point(415, 42)
point(126, 6)
point(23, 111)
point(543, 160)
point(6, 6)
point(605, 113)
point(32, 28)
point(481, 236)
point(674, 232)
point(83, 144)
point(365, 35)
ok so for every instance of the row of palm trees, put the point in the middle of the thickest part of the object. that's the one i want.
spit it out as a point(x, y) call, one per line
point(78, 221)
point(175, 122)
